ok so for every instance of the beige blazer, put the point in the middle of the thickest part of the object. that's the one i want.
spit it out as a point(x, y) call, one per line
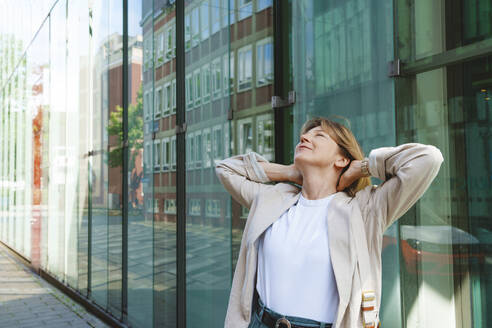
point(406, 171)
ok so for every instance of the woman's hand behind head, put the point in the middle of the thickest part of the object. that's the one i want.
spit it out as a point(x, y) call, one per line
point(295, 175)
point(352, 174)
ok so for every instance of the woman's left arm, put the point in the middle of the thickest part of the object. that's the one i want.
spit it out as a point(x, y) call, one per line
point(407, 171)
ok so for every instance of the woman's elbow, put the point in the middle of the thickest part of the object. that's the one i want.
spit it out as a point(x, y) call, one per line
point(435, 156)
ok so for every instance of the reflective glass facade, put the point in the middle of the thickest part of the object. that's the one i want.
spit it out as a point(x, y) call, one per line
point(103, 188)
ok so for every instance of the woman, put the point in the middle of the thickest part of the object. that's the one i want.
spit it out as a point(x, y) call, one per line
point(309, 256)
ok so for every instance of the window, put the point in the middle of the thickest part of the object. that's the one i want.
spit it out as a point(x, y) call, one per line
point(170, 206)
point(195, 27)
point(205, 83)
point(165, 154)
point(204, 20)
point(149, 205)
point(218, 141)
point(157, 155)
point(244, 66)
point(173, 95)
point(215, 15)
point(167, 99)
point(170, 43)
point(245, 135)
point(264, 136)
point(216, 77)
point(148, 56)
point(148, 156)
point(189, 91)
point(207, 148)
point(212, 208)
point(197, 87)
point(198, 149)
point(195, 206)
point(173, 152)
point(224, 13)
point(187, 32)
point(226, 140)
point(244, 212)
point(160, 48)
point(232, 9)
point(190, 141)
point(228, 67)
point(262, 4)
point(245, 8)
point(150, 106)
point(264, 62)
point(158, 102)
point(232, 139)
point(146, 106)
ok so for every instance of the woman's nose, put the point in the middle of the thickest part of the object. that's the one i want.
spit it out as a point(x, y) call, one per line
point(304, 138)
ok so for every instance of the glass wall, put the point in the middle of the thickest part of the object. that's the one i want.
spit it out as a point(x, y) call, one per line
point(445, 239)
point(88, 151)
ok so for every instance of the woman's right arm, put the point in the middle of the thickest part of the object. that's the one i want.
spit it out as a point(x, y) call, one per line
point(244, 176)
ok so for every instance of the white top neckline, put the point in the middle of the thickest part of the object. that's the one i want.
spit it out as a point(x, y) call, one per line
point(314, 202)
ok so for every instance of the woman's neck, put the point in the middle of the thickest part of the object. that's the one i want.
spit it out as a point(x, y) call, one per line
point(319, 184)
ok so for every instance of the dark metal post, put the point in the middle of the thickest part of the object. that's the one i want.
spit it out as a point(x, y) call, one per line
point(281, 84)
point(124, 255)
point(180, 167)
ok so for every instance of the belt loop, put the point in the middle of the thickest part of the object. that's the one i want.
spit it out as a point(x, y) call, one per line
point(262, 309)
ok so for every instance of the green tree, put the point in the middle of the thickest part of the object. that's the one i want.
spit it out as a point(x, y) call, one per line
point(135, 132)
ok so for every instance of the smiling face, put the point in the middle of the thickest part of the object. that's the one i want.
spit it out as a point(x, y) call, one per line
point(317, 148)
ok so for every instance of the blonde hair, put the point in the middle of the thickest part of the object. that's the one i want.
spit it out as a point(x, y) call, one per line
point(349, 146)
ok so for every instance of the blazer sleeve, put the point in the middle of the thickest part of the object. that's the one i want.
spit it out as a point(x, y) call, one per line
point(243, 177)
point(407, 171)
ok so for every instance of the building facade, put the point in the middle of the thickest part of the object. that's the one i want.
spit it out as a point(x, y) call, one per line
point(99, 191)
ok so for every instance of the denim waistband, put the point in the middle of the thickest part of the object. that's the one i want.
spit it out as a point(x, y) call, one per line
point(260, 308)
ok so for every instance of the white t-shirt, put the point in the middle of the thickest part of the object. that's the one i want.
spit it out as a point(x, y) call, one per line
point(295, 276)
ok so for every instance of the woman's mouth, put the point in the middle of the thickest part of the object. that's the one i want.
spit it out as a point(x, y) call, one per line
point(302, 147)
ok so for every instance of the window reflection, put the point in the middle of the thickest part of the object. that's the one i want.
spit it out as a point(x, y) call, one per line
point(214, 95)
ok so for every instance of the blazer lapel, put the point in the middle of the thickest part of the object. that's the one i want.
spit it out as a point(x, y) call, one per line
point(341, 253)
point(269, 210)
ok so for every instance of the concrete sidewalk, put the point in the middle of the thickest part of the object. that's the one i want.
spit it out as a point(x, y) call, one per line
point(28, 301)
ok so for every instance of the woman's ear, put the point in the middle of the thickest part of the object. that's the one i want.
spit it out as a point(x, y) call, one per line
point(342, 162)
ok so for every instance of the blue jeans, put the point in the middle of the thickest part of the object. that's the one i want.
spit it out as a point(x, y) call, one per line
point(259, 308)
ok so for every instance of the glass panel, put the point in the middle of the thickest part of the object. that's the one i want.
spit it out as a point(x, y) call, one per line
point(140, 221)
point(114, 154)
point(207, 229)
point(98, 161)
point(340, 52)
point(430, 27)
point(57, 150)
point(76, 218)
point(211, 92)
point(38, 68)
point(78, 55)
point(446, 239)
point(163, 173)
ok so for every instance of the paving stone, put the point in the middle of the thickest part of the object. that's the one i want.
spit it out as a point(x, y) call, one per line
point(27, 301)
